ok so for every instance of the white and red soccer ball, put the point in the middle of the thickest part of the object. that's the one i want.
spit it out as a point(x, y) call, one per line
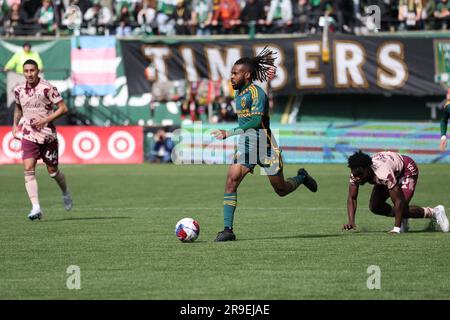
point(187, 230)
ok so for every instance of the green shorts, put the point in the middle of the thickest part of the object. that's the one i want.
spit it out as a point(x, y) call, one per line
point(269, 158)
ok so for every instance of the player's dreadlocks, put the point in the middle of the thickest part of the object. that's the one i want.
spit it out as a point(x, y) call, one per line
point(259, 65)
point(359, 160)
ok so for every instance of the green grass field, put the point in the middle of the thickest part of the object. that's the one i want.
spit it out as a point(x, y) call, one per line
point(121, 235)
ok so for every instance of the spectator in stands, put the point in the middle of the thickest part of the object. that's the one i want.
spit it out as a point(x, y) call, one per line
point(279, 17)
point(429, 7)
point(410, 14)
point(318, 8)
point(182, 18)
point(98, 18)
point(46, 17)
point(17, 60)
point(201, 17)
point(146, 18)
point(82, 4)
point(72, 18)
point(226, 17)
point(162, 148)
point(28, 18)
point(253, 16)
point(342, 12)
point(227, 113)
point(442, 14)
point(12, 19)
point(164, 17)
point(301, 14)
point(124, 21)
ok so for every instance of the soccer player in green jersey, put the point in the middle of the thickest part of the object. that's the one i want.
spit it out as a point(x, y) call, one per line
point(444, 122)
point(256, 144)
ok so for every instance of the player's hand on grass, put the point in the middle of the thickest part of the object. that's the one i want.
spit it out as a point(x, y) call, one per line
point(219, 134)
point(349, 226)
point(443, 144)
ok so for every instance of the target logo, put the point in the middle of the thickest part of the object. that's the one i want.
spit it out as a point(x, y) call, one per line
point(86, 145)
point(121, 145)
point(11, 146)
point(61, 145)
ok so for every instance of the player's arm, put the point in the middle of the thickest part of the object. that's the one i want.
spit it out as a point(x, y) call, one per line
point(398, 199)
point(444, 122)
point(11, 64)
point(256, 111)
point(62, 109)
point(17, 116)
point(254, 123)
point(351, 206)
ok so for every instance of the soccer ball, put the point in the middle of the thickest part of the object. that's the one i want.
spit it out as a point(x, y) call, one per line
point(187, 230)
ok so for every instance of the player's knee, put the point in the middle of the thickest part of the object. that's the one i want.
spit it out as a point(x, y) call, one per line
point(52, 171)
point(281, 191)
point(376, 208)
point(232, 184)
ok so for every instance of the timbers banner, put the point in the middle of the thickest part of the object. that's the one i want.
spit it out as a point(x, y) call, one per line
point(357, 65)
point(84, 145)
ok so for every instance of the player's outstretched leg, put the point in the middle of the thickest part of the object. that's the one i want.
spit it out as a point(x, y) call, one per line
point(303, 177)
point(441, 218)
point(308, 181)
point(60, 179)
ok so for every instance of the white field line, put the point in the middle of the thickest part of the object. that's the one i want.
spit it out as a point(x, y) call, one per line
point(184, 208)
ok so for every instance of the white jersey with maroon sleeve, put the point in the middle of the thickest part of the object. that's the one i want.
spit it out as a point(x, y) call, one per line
point(37, 102)
point(387, 167)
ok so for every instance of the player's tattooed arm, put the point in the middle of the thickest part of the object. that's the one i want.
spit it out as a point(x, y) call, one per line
point(17, 116)
point(62, 108)
point(351, 206)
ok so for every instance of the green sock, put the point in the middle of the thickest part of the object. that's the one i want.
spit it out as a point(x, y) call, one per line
point(229, 205)
point(296, 181)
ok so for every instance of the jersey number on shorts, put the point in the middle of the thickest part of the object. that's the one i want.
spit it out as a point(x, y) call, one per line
point(50, 156)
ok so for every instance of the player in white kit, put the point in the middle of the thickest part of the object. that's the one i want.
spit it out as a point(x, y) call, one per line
point(34, 105)
point(394, 176)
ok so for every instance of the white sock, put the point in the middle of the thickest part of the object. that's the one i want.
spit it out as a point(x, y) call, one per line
point(36, 207)
point(429, 212)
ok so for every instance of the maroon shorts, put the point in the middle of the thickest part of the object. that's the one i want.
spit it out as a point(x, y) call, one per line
point(48, 152)
point(409, 178)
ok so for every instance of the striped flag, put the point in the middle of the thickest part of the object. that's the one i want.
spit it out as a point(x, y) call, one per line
point(93, 62)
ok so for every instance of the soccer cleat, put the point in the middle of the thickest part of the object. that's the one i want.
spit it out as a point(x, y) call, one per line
point(68, 203)
point(441, 218)
point(404, 227)
point(35, 215)
point(225, 235)
point(308, 181)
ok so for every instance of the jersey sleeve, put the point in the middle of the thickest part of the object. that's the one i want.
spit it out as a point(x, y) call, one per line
point(259, 100)
point(17, 95)
point(53, 95)
point(444, 120)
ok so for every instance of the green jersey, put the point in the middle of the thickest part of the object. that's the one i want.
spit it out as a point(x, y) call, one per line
point(445, 118)
point(256, 144)
point(252, 108)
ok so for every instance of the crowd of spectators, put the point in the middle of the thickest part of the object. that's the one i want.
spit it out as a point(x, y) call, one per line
point(204, 17)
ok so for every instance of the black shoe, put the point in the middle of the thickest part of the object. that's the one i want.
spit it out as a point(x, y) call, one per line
point(308, 181)
point(225, 235)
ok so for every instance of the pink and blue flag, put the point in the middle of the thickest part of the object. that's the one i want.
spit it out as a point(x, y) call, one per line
point(93, 62)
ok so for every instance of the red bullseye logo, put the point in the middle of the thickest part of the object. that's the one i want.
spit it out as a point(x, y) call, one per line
point(121, 145)
point(86, 145)
point(11, 146)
